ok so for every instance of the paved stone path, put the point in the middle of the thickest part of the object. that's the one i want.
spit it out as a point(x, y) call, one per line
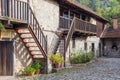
point(102, 69)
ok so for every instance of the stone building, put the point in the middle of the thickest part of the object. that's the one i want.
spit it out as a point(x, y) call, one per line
point(111, 40)
point(37, 27)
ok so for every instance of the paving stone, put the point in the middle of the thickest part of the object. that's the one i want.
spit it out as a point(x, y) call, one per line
point(103, 69)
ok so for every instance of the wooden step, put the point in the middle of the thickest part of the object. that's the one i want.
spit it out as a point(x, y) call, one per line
point(28, 40)
point(23, 31)
point(38, 56)
point(26, 35)
point(34, 48)
point(35, 52)
point(31, 44)
point(43, 59)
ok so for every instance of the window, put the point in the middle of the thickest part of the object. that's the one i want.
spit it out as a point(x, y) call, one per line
point(71, 15)
point(83, 17)
point(85, 46)
point(77, 15)
point(73, 43)
point(65, 14)
point(93, 47)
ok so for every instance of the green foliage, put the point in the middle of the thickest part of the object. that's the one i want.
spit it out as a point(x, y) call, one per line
point(91, 55)
point(56, 58)
point(105, 8)
point(81, 57)
point(36, 65)
point(29, 69)
point(2, 27)
point(113, 10)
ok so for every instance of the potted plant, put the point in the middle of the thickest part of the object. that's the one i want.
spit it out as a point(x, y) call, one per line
point(56, 59)
point(36, 65)
point(29, 71)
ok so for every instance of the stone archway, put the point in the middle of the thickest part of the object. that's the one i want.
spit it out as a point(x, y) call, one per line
point(111, 48)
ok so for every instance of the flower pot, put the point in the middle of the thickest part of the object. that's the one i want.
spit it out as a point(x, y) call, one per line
point(37, 71)
point(30, 73)
point(58, 65)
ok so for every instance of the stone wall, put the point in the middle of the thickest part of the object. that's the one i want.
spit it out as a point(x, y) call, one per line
point(47, 13)
point(79, 45)
point(93, 21)
point(21, 56)
point(112, 47)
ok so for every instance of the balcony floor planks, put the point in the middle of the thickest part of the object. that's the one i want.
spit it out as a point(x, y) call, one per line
point(83, 31)
point(15, 21)
point(78, 30)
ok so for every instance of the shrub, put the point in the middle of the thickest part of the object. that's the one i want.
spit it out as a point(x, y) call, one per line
point(31, 69)
point(81, 57)
point(56, 58)
point(91, 54)
point(36, 65)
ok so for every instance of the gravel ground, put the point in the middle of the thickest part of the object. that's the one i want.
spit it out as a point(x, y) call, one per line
point(102, 69)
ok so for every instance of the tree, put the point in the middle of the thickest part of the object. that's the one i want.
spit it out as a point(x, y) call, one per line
point(105, 8)
point(112, 10)
point(84, 2)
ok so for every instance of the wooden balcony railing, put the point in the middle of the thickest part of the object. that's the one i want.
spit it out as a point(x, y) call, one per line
point(36, 29)
point(79, 25)
point(15, 10)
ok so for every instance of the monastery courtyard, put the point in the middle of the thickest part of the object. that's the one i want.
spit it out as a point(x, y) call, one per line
point(101, 69)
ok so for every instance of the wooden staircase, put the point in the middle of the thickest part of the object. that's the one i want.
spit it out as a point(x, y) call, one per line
point(55, 43)
point(29, 42)
point(20, 15)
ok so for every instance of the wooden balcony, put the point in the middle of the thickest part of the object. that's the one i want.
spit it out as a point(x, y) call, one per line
point(80, 25)
point(14, 10)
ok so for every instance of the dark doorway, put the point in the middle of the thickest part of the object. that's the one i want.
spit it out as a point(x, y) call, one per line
point(6, 58)
point(93, 47)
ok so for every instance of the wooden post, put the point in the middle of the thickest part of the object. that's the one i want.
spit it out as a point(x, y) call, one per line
point(28, 1)
point(0, 7)
point(9, 8)
point(28, 15)
point(64, 51)
point(69, 19)
point(47, 57)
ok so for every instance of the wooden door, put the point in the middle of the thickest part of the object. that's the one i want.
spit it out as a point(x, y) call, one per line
point(6, 58)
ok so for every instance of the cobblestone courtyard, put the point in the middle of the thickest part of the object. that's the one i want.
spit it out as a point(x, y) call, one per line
point(102, 69)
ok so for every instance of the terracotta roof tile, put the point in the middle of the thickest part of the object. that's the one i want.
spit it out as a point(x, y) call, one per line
point(111, 33)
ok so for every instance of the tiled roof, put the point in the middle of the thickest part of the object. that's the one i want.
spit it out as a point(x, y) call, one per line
point(83, 7)
point(111, 33)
